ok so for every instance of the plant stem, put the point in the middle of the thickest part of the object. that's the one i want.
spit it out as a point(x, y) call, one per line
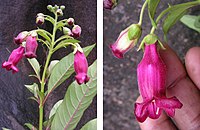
point(41, 107)
point(142, 12)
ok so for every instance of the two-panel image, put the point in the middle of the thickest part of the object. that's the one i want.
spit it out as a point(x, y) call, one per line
point(53, 56)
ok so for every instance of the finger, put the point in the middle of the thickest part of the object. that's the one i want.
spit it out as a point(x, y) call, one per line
point(162, 123)
point(192, 62)
point(175, 69)
point(188, 117)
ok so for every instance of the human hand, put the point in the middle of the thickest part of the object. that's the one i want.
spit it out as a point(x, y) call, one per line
point(184, 83)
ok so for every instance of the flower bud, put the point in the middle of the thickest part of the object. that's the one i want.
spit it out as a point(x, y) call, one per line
point(67, 31)
point(151, 72)
point(109, 4)
point(62, 7)
point(40, 19)
point(70, 21)
point(50, 8)
point(76, 30)
point(59, 12)
point(31, 47)
point(126, 40)
point(81, 67)
point(14, 58)
point(21, 37)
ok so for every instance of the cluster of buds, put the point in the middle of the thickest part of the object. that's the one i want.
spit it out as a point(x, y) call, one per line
point(56, 9)
point(75, 31)
point(80, 66)
point(27, 42)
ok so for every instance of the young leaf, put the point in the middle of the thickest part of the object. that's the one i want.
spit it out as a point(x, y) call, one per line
point(152, 5)
point(63, 69)
point(35, 65)
point(77, 99)
point(175, 13)
point(51, 66)
point(50, 19)
point(43, 33)
point(172, 18)
point(30, 126)
point(54, 109)
point(189, 20)
point(33, 89)
point(91, 125)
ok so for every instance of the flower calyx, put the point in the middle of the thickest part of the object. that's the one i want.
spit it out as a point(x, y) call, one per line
point(150, 39)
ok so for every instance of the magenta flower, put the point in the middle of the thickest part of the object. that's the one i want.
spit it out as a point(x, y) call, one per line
point(151, 74)
point(76, 30)
point(31, 47)
point(124, 43)
point(21, 37)
point(81, 68)
point(109, 4)
point(15, 57)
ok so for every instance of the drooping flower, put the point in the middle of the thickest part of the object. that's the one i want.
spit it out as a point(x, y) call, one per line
point(76, 30)
point(109, 4)
point(126, 40)
point(151, 74)
point(14, 58)
point(81, 67)
point(31, 47)
point(21, 37)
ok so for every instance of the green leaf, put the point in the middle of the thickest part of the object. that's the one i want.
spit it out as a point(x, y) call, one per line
point(30, 126)
point(172, 18)
point(5, 128)
point(63, 69)
point(50, 19)
point(197, 22)
point(77, 99)
point(54, 109)
point(35, 65)
point(51, 66)
point(91, 125)
point(43, 33)
point(175, 13)
point(33, 89)
point(189, 20)
point(152, 6)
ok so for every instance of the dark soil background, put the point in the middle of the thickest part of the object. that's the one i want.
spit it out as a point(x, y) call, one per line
point(120, 80)
point(19, 15)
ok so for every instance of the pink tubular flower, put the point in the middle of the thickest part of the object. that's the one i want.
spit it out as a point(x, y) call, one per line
point(151, 74)
point(31, 47)
point(21, 37)
point(126, 41)
point(81, 68)
point(76, 30)
point(15, 57)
